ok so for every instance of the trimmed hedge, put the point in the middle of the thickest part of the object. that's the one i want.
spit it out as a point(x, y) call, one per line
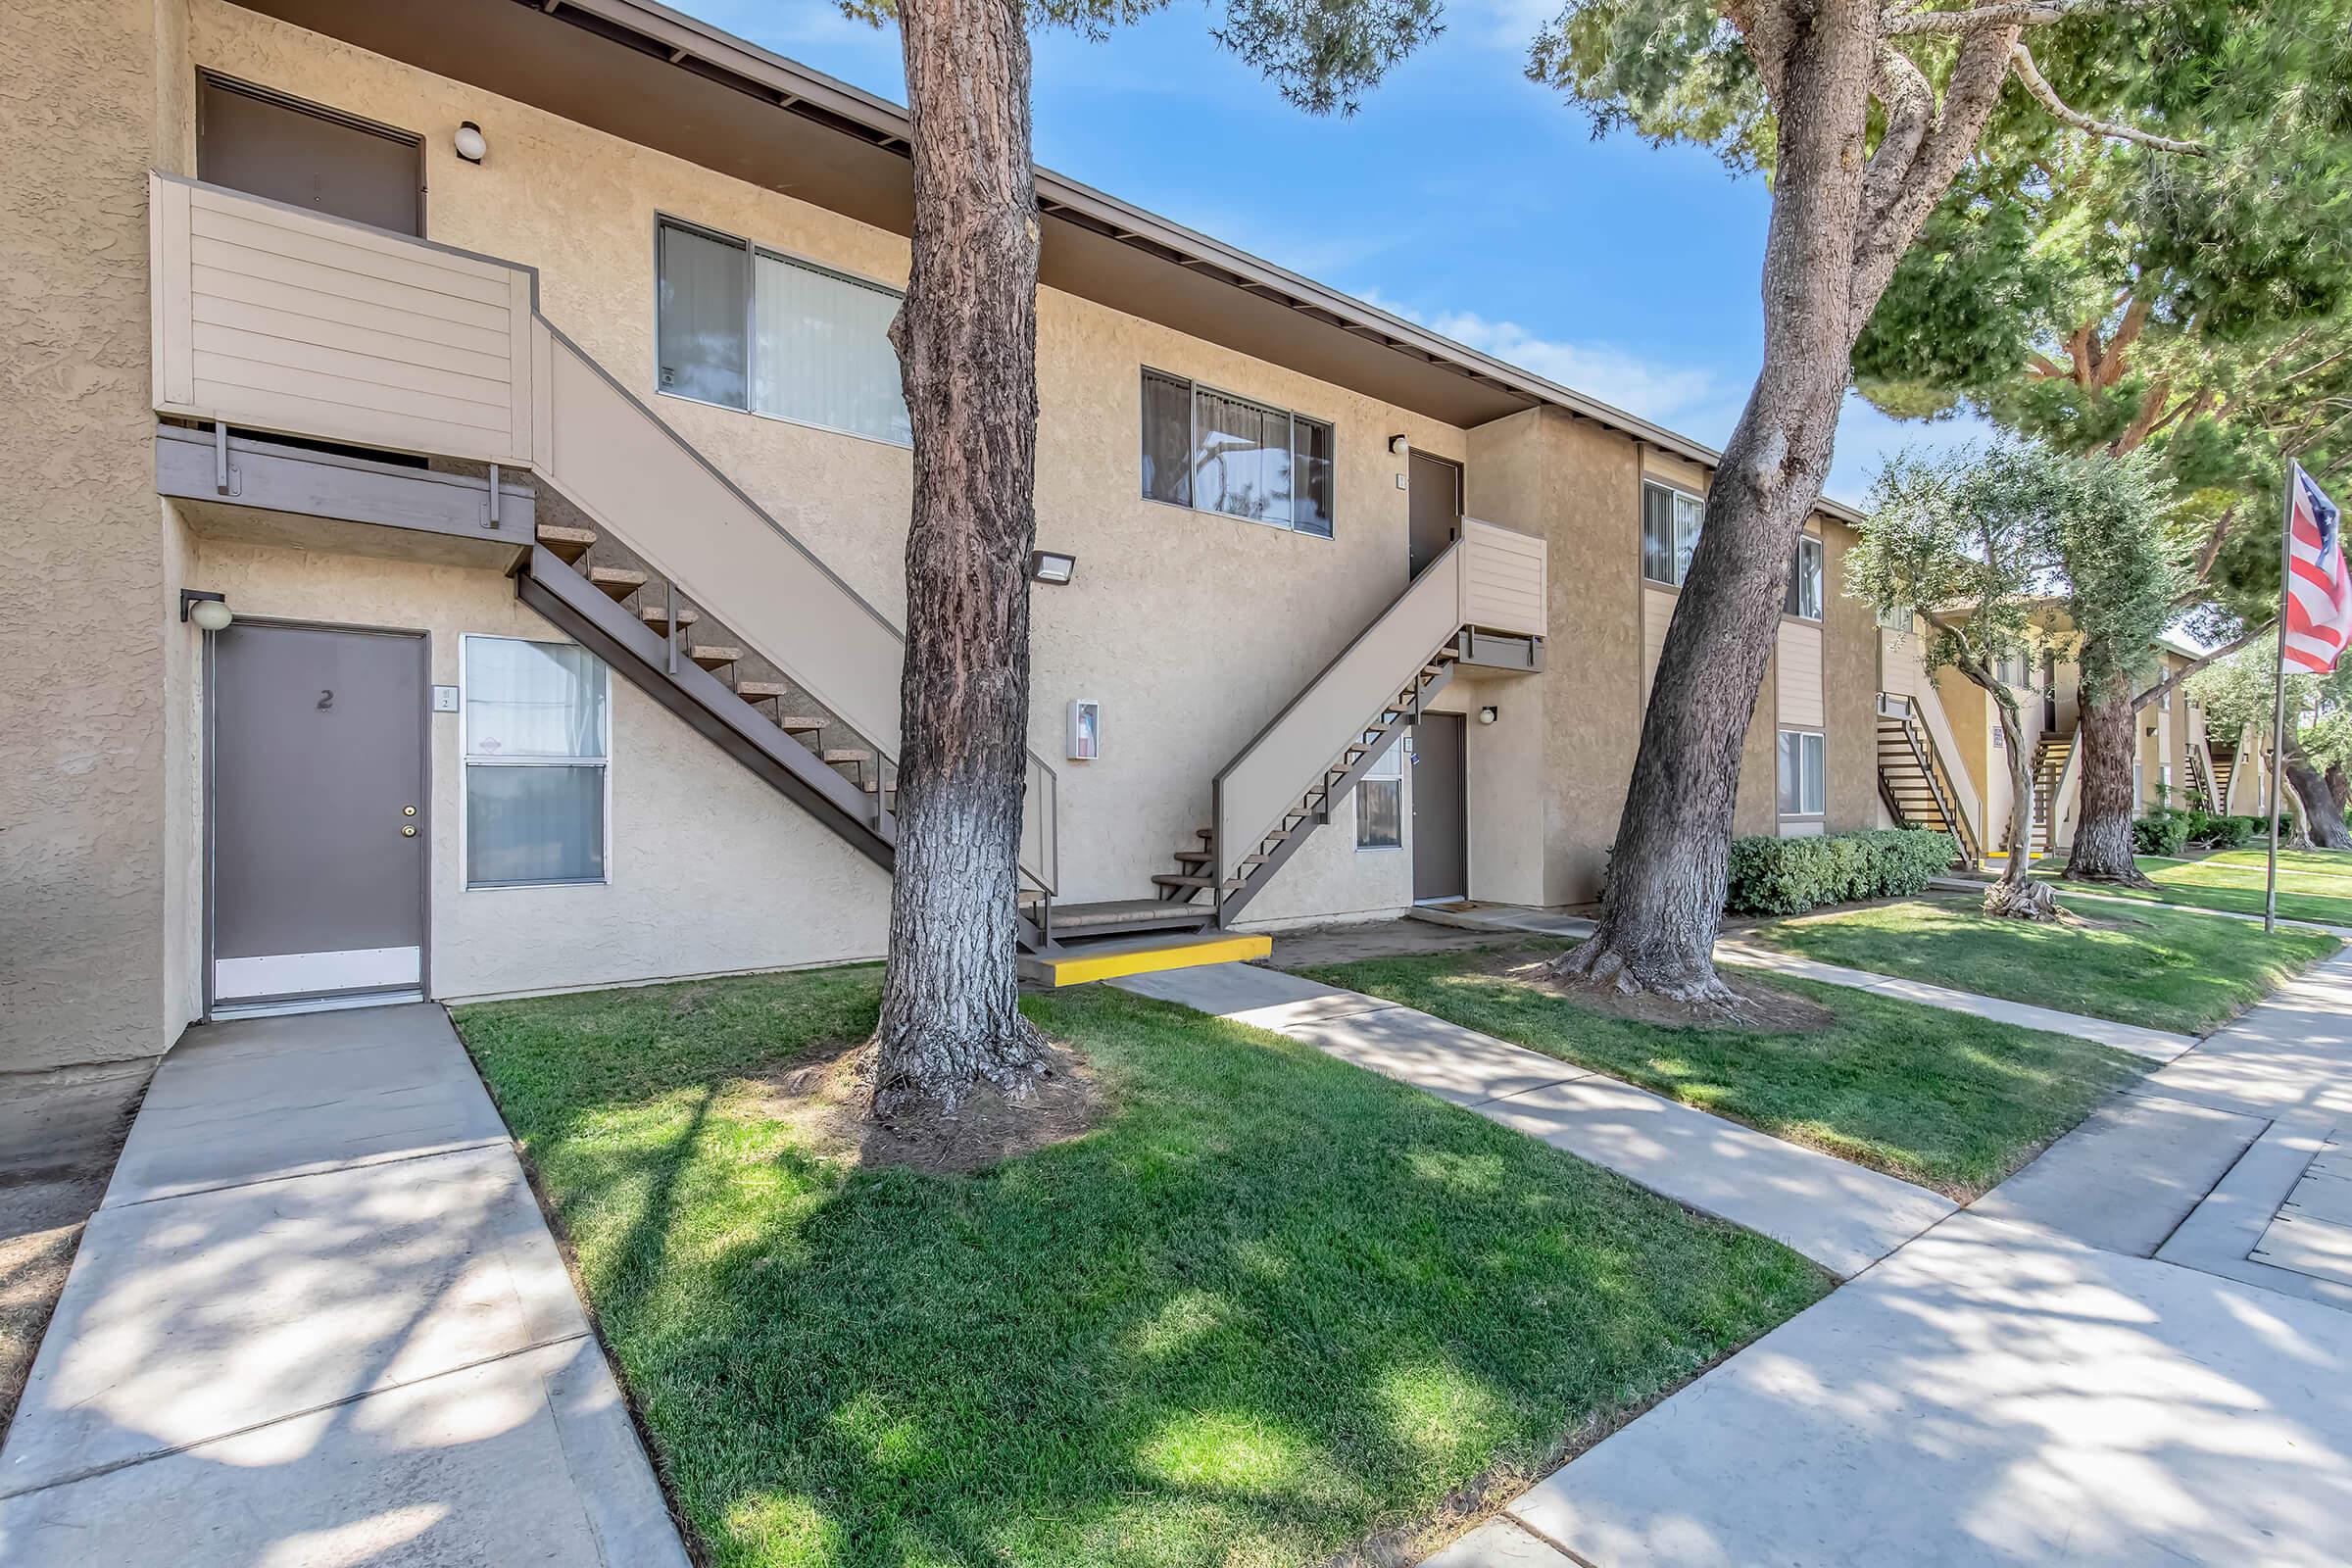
point(1772, 875)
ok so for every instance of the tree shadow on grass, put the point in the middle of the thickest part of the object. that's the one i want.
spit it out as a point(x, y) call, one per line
point(1274, 1304)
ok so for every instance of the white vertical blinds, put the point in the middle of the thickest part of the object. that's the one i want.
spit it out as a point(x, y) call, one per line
point(750, 329)
point(1221, 453)
point(822, 353)
point(701, 298)
point(535, 748)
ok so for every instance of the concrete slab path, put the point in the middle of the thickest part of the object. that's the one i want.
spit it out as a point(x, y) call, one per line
point(2093, 1366)
point(1840, 1215)
point(2157, 1045)
point(319, 1319)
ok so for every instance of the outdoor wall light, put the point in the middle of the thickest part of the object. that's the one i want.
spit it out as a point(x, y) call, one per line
point(471, 143)
point(1488, 714)
point(209, 611)
point(1400, 445)
point(1050, 565)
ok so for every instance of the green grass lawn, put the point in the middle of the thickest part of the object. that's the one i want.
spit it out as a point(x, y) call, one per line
point(1273, 1304)
point(2158, 967)
point(2313, 884)
point(1937, 1097)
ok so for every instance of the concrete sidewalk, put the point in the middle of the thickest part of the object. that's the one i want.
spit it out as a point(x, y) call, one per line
point(2157, 1045)
point(319, 1319)
point(2135, 1352)
point(1841, 1215)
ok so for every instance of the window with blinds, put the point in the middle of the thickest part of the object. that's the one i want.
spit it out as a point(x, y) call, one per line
point(748, 329)
point(1218, 452)
point(1670, 520)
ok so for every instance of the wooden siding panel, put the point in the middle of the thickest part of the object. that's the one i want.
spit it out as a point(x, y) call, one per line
point(1800, 686)
point(1503, 580)
point(299, 322)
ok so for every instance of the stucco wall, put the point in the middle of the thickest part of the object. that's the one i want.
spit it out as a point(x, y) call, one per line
point(1578, 486)
point(711, 869)
point(1190, 628)
point(1850, 691)
point(84, 585)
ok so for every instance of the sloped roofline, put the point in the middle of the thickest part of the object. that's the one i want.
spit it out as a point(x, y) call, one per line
point(689, 40)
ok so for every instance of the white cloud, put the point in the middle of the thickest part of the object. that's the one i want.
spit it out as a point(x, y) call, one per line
point(1688, 398)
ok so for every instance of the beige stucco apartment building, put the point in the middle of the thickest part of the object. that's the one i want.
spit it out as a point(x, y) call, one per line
point(511, 376)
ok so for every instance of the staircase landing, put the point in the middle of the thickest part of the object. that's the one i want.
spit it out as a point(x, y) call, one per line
point(1114, 958)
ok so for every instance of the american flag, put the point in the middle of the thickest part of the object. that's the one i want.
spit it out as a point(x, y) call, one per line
point(2319, 593)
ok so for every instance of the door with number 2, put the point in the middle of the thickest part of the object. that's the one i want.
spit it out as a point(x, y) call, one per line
point(317, 849)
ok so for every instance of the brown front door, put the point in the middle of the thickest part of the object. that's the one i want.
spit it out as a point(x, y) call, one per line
point(318, 839)
point(265, 143)
point(1440, 840)
point(1436, 505)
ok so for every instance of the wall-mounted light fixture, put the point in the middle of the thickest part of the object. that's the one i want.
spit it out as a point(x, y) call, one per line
point(1052, 565)
point(1489, 714)
point(471, 145)
point(210, 611)
point(2151, 732)
point(1400, 445)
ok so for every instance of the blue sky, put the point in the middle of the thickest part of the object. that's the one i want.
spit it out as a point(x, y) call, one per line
point(1462, 196)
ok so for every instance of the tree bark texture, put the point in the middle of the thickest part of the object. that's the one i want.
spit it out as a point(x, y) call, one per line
point(966, 337)
point(2339, 786)
point(2102, 849)
point(2021, 784)
point(1840, 220)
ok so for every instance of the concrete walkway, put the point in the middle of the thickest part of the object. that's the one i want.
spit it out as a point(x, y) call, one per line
point(2157, 1045)
point(1838, 1214)
point(319, 1320)
point(2138, 1351)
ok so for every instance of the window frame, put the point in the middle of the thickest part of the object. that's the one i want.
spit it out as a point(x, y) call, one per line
point(1390, 769)
point(1192, 439)
point(752, 250)
point(1821, 742)
point(468, 761)
point(1821, 582)
point(1642, 525)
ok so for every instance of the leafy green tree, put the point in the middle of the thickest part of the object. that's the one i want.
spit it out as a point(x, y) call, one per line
point(2010, 549)
point(1864, 114)
point(967, 339)
point(2236, 694)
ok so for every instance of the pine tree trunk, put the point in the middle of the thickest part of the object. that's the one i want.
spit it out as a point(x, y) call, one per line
point(1668, 865)
point(2322, 823)
point(967, 338)
point(2102, 849)
point(2339, 787)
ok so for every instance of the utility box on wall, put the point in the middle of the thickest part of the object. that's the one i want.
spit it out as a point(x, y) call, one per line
point(1085, 729)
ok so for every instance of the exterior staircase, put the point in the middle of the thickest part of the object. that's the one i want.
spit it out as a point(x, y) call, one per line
point(1916, 786)
point(2224, 773)
point(2050, 754)
point(646, 552)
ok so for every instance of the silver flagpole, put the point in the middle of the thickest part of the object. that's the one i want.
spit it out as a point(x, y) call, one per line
point(2286, 566)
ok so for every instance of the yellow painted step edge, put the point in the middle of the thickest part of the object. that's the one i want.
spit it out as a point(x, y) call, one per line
point(1080, 970)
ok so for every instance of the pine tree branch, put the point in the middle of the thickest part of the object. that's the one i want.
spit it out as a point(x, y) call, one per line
point(2170, 683)
point(2044, 367)
point(2112, 358)
point(2001, 13)
point(2029, 75)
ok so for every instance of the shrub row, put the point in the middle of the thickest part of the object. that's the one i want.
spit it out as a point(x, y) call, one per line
point(1772, 875)
point(2169, 831)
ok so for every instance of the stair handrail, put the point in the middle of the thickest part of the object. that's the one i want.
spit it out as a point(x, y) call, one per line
point(859, 665)
point(1267, 776)
point(1926, 706)
point(2066, 794)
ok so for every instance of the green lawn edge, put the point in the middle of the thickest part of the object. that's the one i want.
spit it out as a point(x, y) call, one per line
point(1274, 1306)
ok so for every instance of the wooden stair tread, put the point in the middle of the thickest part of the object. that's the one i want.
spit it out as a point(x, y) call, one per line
point(616, 582)
point(657, 615)
point(799, 724)
point(759, 690)
point(715, 657)
point(566, 545)
point(847, 753)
